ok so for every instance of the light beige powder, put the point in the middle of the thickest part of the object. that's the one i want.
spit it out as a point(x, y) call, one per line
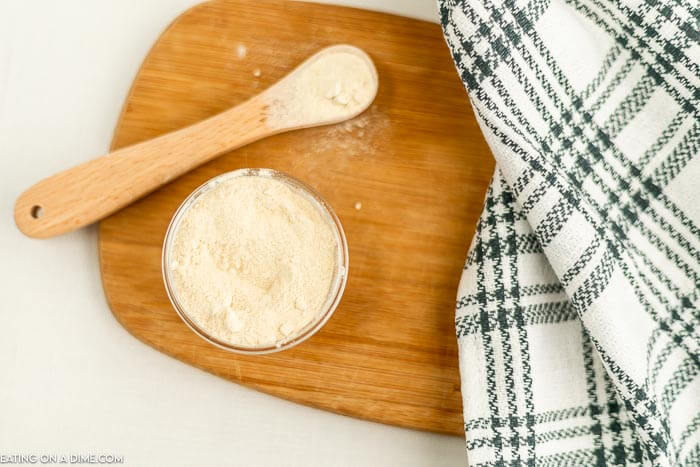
point(336, 85)
point(241, 51)
point(253, 261)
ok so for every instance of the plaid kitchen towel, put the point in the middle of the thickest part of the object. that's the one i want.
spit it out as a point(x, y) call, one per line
point(577, 315)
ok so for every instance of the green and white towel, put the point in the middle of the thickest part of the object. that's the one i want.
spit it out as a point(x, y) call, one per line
point(577, 315)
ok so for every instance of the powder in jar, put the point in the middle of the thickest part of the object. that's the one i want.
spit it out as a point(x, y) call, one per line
point(253, 260)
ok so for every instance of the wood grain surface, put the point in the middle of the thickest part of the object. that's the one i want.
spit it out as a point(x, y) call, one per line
point(415, 162)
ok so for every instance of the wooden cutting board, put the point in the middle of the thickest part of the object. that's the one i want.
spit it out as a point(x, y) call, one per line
point(416, 162)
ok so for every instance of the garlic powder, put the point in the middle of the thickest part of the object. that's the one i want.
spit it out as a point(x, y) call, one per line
point(253, 261)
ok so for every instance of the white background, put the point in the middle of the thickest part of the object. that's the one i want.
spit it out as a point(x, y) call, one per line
point(71, 379)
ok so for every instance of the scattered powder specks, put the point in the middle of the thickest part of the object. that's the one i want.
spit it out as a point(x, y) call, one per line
point(358, 205)
point(352, 138)
point(257, 72)
point(241, 51)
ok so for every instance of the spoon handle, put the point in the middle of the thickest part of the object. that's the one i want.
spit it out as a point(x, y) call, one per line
point(95, 189)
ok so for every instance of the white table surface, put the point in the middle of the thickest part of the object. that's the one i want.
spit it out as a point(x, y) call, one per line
point(72, 380)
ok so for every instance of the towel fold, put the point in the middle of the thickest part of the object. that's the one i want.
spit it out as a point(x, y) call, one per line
point(578, 310)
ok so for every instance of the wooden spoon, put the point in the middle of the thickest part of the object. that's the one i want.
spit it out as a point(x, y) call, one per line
point(93, 190)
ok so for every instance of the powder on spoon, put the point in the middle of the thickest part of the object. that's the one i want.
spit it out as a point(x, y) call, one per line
point(253, 261)
point(333, 86)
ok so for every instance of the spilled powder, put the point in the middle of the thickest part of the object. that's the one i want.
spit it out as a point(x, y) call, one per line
point(335, 85)
point(362, 136)
point(253, 261)
point(241, 51)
